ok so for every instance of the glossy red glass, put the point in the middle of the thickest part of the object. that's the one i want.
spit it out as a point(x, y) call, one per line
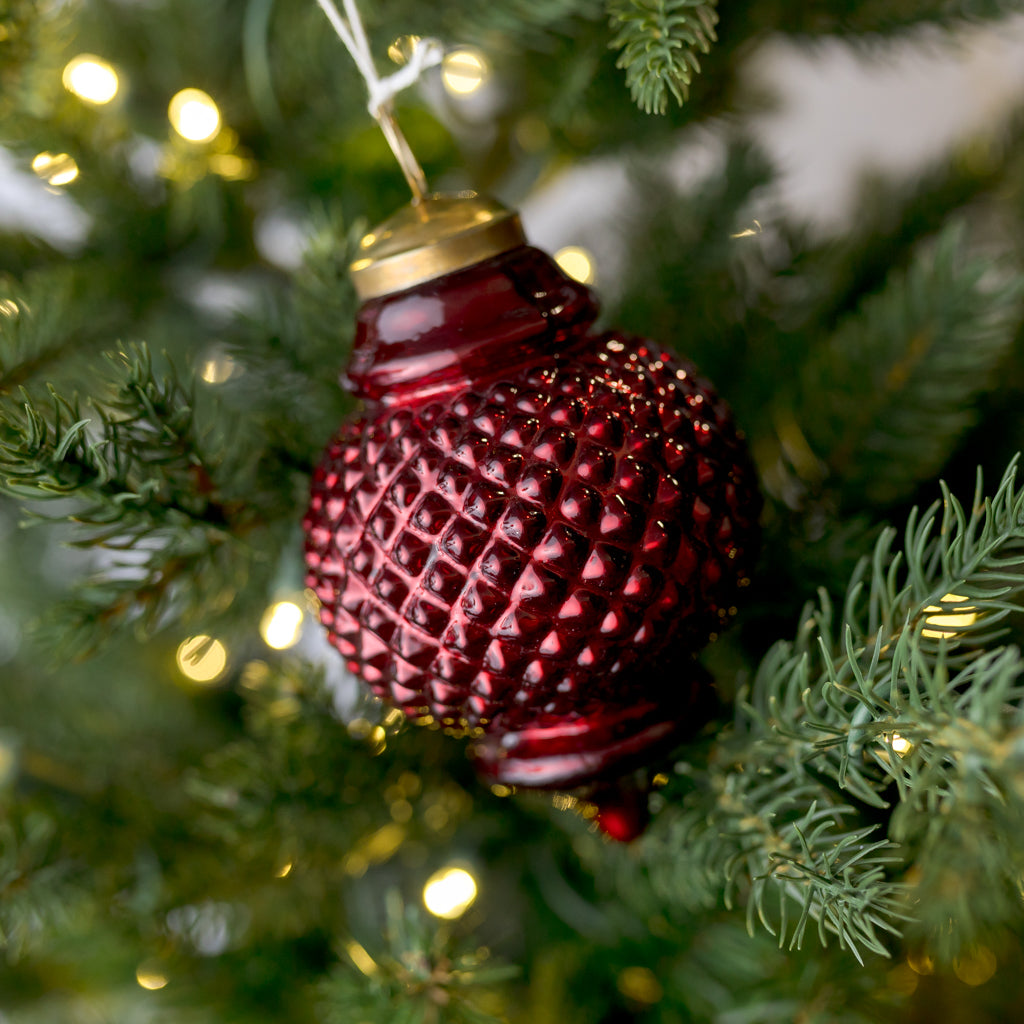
point(533, 527)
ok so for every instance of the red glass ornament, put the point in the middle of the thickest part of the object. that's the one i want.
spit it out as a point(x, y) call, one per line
point(533, 527)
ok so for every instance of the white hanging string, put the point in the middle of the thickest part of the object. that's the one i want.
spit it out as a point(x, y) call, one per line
point(427, 53)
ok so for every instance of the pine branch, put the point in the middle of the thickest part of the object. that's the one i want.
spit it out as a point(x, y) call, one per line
point(526, 22)
point(873, 702)
point(294, 352)
point(899, 699)
point(46, 322)
point(659, 40)
point(138, 480)
point(37, 894)
point(420, 978)
point(884, 401)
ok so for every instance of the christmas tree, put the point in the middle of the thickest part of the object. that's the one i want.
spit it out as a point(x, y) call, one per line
point(204, 816)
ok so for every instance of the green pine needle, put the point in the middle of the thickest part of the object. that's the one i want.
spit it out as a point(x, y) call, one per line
point(659, 40)
point(886, 399)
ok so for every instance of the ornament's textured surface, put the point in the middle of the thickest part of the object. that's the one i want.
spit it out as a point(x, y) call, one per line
point(515, 555)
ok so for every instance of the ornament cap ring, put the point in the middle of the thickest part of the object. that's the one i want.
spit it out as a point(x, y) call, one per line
point(430, 238)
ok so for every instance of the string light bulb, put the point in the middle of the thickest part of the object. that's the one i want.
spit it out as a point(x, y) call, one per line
point(449, 893)
point(463, 71)
point(202, 659)
point(91, 79)
point(281, 625)
point(55, 168)
point(194, 115)
point(577, 263)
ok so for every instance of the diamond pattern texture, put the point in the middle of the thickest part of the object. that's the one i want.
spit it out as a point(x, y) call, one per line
point(519, 552)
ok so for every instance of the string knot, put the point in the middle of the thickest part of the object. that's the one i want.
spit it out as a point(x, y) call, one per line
point(426, 53)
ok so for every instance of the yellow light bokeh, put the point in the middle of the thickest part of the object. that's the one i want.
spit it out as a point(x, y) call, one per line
point(920, 963)
point(401, 50)
point(150, 978)
point(976, 967)
point(194, 115)
point(577, 263)
point(449, 893)
point(218, 368)
point(55, 168)
point(284, 870)
point(358, 955)
point(941, 623)
point(91, 79)
point(281, 625)
point(8, 763)
point(232, 167)
point(202, 659)
point(901, 744)
point(640, 985)
point(749, 232)
point(463, 71)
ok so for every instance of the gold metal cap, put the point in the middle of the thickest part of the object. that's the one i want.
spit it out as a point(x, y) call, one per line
point(435, 236)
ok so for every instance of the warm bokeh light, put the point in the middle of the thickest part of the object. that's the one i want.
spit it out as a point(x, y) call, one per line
point(463, 71)
point(150, 978)
point(9, 308)
point(640, 985)
point(8, 763)
point(358, 955)
point(202, 659)
point(939, 623)
point(217, 368)
point(976, 967)
point(281, 625)
point(401, 50)
point(284, 870)
point(577, 263)
point(449, 893)
point(901, 744)
point(194, 115)
point(91, 79)
point(55, 168)
point(920, 963)
point(232, 167)
point(756, 229)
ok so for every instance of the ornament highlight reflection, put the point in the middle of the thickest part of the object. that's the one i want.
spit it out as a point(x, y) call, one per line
point(194, 115)
point(55, 168)
point(202, 659)
point(577, 263)
point(449, 893)
point(463, 71)
point(91, 79)
point(281, 625)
